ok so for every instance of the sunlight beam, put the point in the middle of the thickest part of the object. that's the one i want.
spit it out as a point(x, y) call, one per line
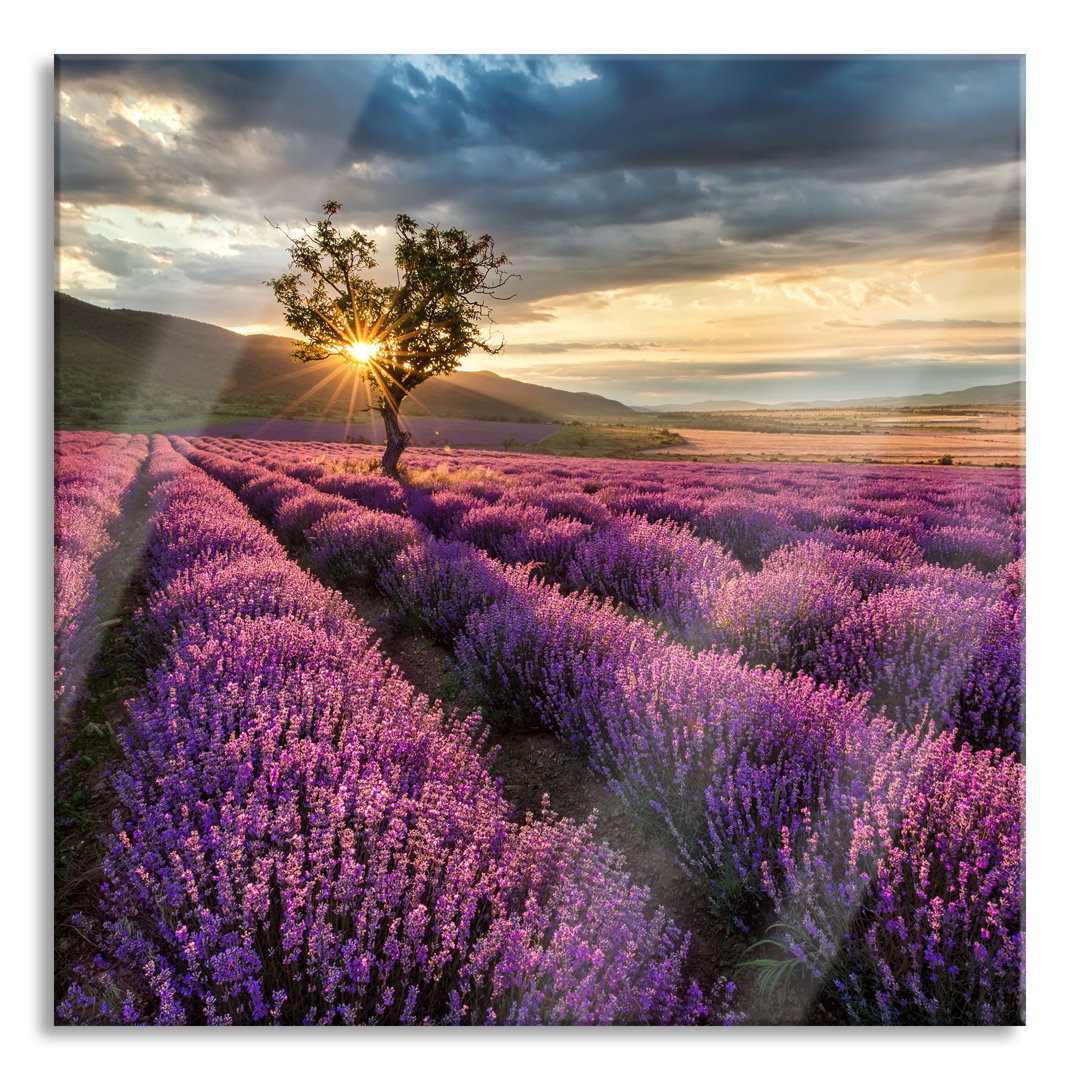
point(307, 393)
point(333, 396)
point(352, 402)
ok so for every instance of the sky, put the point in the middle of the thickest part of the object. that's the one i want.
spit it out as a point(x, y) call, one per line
point(684, 227)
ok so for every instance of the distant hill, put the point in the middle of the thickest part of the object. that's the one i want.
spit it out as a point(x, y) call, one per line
point(566, 404)
point(119, 366)
point(123, 366)
point(995, 394)
point(724, 405)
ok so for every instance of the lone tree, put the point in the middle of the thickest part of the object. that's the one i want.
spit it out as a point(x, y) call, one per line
point(394, 336)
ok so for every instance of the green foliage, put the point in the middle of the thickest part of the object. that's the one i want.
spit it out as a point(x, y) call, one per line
point(422, 326)
point(452, 683)
point(776, 973)
point(604, 440)
point(395, 336)
point(138, 370)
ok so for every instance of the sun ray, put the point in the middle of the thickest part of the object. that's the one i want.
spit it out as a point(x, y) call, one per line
point(377, 328)
point(355, 355)
point(333, 396)
point(414, 353)
point(304, 370)
point(341, 335)
point(368, 395)
point(359, 348)
point(376, 368)
point(380, 331)
point(379, 372)
point(352, 401)
point(422, 330)
point(307, 393)
point(378, 378)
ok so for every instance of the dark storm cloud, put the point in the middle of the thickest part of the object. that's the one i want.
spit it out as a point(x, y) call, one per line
point(299, 94)
point(855, 116)
point(749, 118)
point(89, 170)
point(651, 170)
point(120, 258)
point(411, 115)
point(774, 149)
point(262, 134)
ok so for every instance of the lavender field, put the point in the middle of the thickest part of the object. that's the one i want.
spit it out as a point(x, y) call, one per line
point(805, 683)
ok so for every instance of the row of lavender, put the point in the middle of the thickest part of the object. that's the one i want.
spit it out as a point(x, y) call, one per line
point(302, 838)
point(95, 478)
point(895, 862)
point(857, 605)
point(956, 516)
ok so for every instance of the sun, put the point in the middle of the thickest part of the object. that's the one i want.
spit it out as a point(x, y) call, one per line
point(362, 352)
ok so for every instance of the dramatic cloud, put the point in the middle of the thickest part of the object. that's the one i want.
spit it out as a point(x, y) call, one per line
point(634, 195)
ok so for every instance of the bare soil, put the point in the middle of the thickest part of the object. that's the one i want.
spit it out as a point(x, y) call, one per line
point(86, 740)
point(891, 445)
point(533, 764)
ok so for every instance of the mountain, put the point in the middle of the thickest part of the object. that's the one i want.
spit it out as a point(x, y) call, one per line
point(724, 405)
point(552, 403)
point(995, 394)
point(1012, 393)
point(124, 366)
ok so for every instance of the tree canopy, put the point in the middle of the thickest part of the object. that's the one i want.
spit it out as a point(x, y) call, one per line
point(398, 335)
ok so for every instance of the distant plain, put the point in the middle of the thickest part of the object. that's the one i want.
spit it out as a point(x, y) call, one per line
point(989, 437)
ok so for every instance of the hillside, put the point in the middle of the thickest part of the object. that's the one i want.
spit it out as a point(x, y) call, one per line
point(724, 405)
point(996, 394)
point(999, 394)
point(551, 403)
point(123, 366)
point(128, 367)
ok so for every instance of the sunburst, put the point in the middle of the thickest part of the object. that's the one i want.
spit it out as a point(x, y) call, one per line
point(361, 352)
point(370, 349)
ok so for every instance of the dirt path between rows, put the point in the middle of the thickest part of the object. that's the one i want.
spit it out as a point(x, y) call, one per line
point(533, 764)
point(88, 746)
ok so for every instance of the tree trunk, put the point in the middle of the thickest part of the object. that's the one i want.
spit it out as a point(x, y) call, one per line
point(396, 439)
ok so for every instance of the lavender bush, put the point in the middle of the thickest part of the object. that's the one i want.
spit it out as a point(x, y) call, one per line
point(95, 480)
point(818, 801)
point(302, 838)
